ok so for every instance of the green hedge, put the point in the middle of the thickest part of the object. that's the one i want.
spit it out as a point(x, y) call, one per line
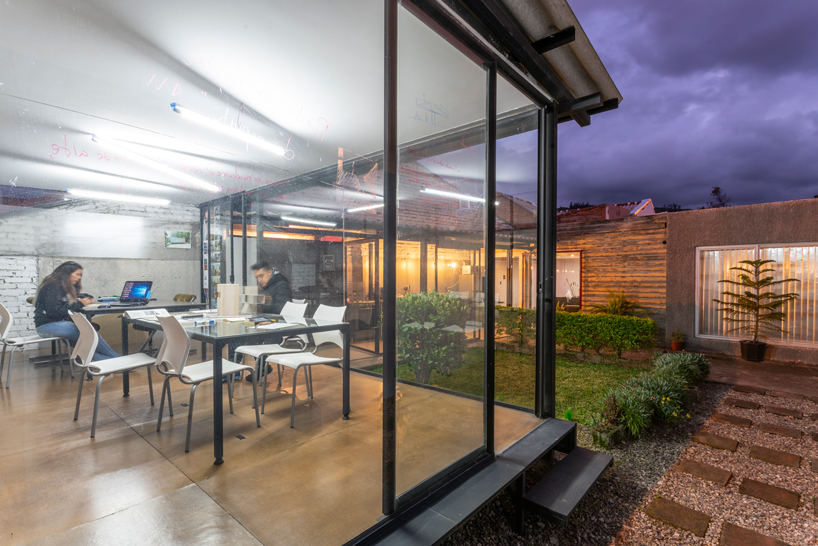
point(595, 331)
point(519, 324)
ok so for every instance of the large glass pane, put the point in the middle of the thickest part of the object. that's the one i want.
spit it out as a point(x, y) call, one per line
point(118, 121)
point(441, 217)
point(714, 266)
point(801, 263)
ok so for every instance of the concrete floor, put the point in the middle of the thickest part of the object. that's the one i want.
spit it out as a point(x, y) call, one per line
point(319, 483)
point(798, 378)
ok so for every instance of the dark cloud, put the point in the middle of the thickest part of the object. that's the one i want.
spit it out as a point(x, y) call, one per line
point(718, 93)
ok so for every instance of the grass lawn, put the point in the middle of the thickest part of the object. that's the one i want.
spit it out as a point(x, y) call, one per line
point(579, 385)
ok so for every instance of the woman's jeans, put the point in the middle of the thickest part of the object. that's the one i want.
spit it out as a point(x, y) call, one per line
point(68, 330)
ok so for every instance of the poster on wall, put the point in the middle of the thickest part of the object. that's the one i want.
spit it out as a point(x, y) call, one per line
point(177, 239)
point(329, 262)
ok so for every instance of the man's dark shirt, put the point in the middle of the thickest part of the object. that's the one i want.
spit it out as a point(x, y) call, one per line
point(278, 288)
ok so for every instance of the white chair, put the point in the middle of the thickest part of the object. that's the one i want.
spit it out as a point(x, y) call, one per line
point(84, 353)
point(171, 362)
point(308, 360)
point(261, 352)
point(6, 322)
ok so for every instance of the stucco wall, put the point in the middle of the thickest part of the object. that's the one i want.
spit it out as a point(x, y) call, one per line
point(770, 223)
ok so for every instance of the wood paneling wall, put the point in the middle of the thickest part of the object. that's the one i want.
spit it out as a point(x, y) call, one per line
point(628, 254)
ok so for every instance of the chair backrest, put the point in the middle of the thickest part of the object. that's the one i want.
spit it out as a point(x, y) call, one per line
point(292, 309)
point(87, 343)
point(6, 320)
point(175, 347)
point(334, 314)
point(299, 301)
point(187, 298)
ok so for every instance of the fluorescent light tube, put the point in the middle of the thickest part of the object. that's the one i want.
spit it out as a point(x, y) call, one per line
point(119, 197)
point(368, 207)
point(311, 222)
point(157, 165)
point(452, 195)
point(224, 129)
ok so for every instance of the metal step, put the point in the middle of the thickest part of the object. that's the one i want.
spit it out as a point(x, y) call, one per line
point(559, 493)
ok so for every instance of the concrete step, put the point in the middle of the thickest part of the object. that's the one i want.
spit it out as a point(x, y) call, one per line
point(559, 493)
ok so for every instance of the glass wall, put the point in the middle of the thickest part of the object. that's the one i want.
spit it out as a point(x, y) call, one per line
point(441, 230)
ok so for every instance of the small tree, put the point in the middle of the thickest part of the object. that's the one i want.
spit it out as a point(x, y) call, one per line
point(720, 199)
point(756, 309)
point(430, 332)
point(618, 304)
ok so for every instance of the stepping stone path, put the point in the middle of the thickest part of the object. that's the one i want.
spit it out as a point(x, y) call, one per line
point(706, 471)
point(775, 457)
point(812, 398)
point(749, 389)
point(789, 395)
point(784, 411)
point(814, 416)
point(770, 493)
point(815, 469)
point(733, 535)
point(718, 442)
point(741, 403)
point(781, 430)
point(679, 516)
point(731, 419)
point(815, 436)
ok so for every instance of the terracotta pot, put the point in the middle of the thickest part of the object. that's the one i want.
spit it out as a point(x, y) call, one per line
point(753, 351)
point(677, 345)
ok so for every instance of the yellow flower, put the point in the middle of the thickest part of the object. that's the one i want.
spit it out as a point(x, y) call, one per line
point(688, 416)
point(674, 414)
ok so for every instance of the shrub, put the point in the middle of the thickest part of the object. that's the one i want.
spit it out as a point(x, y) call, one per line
point(519, 324)
point(595, 331)
point(423, 339)
point(689, 367)
point(633, 406)
point(619, 305)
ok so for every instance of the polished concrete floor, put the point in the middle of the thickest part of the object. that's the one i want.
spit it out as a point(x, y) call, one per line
point(319, 483)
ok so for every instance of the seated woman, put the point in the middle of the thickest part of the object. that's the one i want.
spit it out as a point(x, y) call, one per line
point(58, 294)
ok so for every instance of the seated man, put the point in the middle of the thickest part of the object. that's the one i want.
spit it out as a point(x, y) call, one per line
point(274, 286)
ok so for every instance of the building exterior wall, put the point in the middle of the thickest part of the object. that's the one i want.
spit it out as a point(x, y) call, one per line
point(628, 255)
point(770, 223)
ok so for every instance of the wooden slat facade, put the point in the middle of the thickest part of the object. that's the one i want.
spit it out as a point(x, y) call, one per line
point(628, 254)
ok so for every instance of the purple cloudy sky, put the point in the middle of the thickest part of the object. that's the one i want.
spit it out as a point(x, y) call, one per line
point(716, 93)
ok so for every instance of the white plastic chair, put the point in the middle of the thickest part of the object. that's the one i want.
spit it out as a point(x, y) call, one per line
point(308, 360)
point(171, 362)
point(6, 322)
point(83, 354)
point(261, 352)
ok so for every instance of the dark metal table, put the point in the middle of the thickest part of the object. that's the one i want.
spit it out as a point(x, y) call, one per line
point(221, 334)
point(171, 306)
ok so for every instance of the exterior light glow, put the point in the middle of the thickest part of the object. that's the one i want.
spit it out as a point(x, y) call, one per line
point(311, 222)
point(369, 207)
point(224, 129)
point(119, 197)
point(452, 195)
point(156, 165)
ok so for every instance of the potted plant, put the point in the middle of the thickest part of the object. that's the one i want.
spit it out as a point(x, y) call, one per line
point(753, 308)
point(677, 340)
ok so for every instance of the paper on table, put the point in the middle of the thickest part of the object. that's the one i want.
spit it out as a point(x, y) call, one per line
point(274, 326)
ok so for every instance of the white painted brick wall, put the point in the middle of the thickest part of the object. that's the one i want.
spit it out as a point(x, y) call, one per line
point(18, 281)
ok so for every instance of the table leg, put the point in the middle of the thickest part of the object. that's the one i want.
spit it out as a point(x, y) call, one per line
point(126, 384)
point(204, 351)
point(347, 341)
point(218, 411)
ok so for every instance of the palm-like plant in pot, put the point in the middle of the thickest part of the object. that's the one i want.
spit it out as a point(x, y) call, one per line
point(753, 307)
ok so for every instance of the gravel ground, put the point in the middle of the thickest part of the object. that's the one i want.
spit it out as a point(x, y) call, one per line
point(796, 527)
point(638, 467)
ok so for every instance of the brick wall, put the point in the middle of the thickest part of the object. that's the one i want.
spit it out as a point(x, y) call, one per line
point(18, 280)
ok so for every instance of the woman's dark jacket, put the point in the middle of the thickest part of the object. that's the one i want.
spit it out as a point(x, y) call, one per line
point(52, 305)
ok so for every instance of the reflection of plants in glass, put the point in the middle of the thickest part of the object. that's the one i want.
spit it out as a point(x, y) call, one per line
point(571, 292)
point(430, 332)
point(618, 304)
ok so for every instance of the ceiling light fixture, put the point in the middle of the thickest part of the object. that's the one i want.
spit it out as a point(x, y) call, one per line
point(119, 197)
point(224, 129)
point(452, 195)
point(157, 165)
point(312, 222)
point(368, 207)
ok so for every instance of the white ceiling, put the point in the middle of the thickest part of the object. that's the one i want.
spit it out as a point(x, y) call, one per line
point(305, 75)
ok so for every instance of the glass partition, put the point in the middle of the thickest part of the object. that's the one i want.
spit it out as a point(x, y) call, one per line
point(441, 219)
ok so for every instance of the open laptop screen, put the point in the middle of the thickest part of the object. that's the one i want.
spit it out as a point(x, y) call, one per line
point(136, 290)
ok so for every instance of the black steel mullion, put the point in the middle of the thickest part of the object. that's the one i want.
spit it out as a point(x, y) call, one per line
point(244, 238)
point(390, 179)
point(490, 192)
point(547, 248)
point(232, 246)
point(201, 254)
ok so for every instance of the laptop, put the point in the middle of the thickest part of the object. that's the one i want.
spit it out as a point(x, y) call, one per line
point(136, 293)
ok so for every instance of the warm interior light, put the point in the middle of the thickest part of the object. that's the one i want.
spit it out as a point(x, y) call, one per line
point(224, 129)
point(452, 195)
point(369, 207)
point(119, 197)
point(291, 236)
point(156, 165)
point(303, 221)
